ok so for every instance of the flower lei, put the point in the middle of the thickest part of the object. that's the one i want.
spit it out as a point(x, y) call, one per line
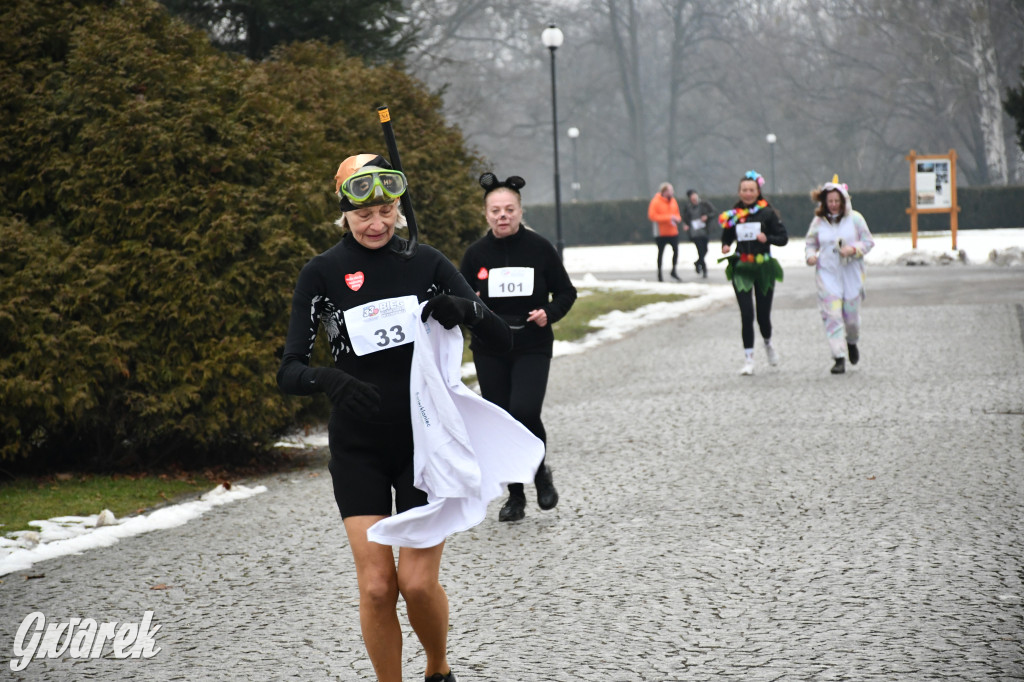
point(729, 218)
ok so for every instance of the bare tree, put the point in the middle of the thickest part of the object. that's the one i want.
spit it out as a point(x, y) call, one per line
point(686, 90)
point(902, 74)
point(983, 59)
point(624, 30)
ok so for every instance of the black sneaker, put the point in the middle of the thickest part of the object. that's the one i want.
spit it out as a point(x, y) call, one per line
point(547, 496)
point(853, 352)
point(839, 367)
point(514, 508)
point(696, 266)
point(438, 677)
point(675, 276)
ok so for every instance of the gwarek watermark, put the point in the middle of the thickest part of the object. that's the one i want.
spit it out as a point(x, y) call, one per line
point(82, 638)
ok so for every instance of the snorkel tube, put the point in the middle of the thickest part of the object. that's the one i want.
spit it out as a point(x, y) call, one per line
point(396, 163)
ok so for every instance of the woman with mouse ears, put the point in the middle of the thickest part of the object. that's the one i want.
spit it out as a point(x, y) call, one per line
point(365, 293)
point(519, 275)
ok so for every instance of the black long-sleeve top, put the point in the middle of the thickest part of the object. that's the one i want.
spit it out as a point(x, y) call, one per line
point(552, 289)
point(349, 275)
point(771, 226)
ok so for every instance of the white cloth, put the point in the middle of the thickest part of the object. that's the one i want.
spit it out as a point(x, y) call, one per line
point(466, 448)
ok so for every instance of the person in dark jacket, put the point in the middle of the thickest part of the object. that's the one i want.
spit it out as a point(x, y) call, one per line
point(696, 214)
point(365, 293)
point(754, 226)
point(518, 274)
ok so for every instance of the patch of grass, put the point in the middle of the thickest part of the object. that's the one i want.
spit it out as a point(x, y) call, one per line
point(29, 499)
point(593, 303)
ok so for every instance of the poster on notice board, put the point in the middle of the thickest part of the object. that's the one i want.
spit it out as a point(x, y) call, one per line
point(933, 184)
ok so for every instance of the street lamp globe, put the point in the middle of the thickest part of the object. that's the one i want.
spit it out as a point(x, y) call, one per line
point(573, 132)
point(771, 139)
point(552, 37)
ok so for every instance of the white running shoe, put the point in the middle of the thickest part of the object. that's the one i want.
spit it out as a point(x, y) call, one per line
point(748, 367)
point(773, 355)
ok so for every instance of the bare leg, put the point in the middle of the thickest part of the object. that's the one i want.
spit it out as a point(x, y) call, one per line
point(426, 602)
point(378, 599)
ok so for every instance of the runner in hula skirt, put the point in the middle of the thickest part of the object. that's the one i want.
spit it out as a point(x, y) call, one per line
point(754, 225)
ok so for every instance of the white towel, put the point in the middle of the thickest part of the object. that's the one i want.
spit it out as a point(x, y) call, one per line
point(466, 448)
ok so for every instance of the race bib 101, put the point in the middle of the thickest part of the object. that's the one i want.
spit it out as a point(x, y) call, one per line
point(383, 324)
point(746, 232)
point(507, 282)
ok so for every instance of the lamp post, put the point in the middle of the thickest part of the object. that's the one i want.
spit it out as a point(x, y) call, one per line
point(552, 39)
point(574, 134)
point(771, 139)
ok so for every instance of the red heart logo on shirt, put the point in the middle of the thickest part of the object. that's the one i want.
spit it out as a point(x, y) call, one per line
point(482, 274)
point(355, 280)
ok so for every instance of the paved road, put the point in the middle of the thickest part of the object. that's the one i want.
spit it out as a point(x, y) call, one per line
point(792, 525)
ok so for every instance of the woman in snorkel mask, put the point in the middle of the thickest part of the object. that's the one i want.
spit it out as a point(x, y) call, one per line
point(348, 290)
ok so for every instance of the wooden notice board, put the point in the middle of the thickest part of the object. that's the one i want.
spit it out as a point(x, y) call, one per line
point(932, 189)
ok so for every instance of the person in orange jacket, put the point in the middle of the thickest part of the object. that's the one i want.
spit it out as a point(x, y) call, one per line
point(663, 211)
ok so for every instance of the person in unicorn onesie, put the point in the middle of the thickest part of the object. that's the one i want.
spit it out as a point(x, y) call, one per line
point(836, 243)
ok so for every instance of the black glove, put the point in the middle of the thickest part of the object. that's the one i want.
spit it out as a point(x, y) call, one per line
point(351, 397)
point(452, 310)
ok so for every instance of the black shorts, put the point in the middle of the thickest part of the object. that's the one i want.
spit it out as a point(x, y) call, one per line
point(367, 462)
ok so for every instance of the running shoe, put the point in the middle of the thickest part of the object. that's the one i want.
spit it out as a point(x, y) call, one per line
point(853, 353)
point(547, 496)
point(675, 276)
point(438, 677)
point(514, 508)
point(748, 367)
point(773, 355)
point(839, 367)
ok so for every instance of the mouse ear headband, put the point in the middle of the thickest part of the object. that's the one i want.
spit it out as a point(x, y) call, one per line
point(490, 182)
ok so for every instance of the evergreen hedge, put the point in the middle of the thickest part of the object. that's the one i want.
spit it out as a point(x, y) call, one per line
point(159, 200)
point(625, 221)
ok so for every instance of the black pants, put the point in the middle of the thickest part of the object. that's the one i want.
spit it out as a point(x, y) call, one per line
point(746, 299)
point(516, 382)
point(702, 250)
point(661, 242)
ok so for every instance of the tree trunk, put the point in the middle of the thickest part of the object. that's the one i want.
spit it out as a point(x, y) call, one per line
point(675, 85)
point(627, 52)
point(990, 105)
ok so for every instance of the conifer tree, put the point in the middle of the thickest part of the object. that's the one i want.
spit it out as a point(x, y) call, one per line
point(159, 200)
point(376, 30)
